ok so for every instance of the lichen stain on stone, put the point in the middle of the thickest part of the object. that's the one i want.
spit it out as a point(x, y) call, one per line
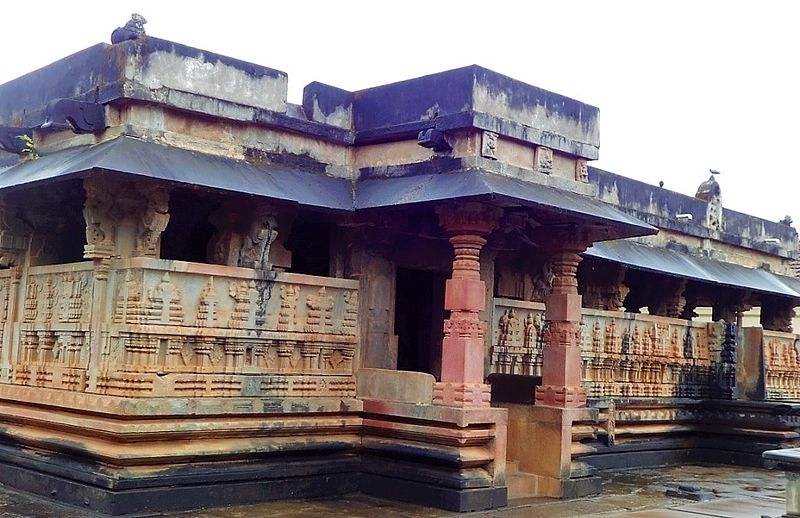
point(218, 80)
point(584, 130)
point(341, 117)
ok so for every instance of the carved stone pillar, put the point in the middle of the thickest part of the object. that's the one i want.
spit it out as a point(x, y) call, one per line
point(99, 317)
point(561, 363)
point(12, 317)
point(13, 245)
point(462, 377)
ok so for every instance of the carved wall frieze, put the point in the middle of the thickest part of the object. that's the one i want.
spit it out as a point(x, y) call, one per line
point(164, 302)
point(130, 304)
point(641, 357)
point(318, 317)
point(207, 307)
point(781, 366)
point(32, 290)
point(309, 330)
point(74, 293)
point(287, 318)
point(244, 294)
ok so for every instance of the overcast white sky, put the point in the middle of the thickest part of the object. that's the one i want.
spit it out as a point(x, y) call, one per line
point(682, 86)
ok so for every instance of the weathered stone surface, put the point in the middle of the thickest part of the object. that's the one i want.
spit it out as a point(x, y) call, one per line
point(392, 385)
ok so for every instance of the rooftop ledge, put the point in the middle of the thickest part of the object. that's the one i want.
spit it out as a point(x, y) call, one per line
point(160, 71)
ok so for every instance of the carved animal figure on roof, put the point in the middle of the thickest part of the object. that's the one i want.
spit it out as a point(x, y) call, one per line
point(133, 29)
point(709, 189)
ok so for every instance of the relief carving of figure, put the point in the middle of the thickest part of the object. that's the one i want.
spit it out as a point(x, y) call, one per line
point(531, 333)
point(544, 160)
point(581, 171)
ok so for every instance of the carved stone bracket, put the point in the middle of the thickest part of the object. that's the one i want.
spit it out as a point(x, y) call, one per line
point(602, 285)
point(13, 237)
point(731, 303)
point(242, 239)
point(100, 221)
point(777, 314)
point(153, 220)
point(256, 242)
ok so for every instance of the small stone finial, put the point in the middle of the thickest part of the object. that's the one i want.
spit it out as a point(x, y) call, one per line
point(133, 30)
point(709, 189)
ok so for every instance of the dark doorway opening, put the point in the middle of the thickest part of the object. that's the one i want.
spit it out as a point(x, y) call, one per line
point(189, 230)
point(419, 317)
point(310, 243)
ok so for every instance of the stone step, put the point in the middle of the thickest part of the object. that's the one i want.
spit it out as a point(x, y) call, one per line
point(521, 485)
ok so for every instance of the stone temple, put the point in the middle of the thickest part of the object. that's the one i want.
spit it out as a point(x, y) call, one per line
point(420, 291)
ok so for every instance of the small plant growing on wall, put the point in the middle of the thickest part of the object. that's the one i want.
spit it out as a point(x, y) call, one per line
point(29, 150)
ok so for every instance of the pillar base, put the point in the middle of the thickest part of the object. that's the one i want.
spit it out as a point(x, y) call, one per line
point(562, 397)
point(451, 393)
point(550, 463)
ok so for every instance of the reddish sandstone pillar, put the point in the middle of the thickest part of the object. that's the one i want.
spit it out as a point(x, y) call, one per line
point(561, 362)
point(461, 383)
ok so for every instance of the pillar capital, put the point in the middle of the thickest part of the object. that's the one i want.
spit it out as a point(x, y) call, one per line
point(469, 218)
point(565, 238)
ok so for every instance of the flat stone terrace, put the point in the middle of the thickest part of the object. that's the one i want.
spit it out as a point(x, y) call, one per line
point(734, 492)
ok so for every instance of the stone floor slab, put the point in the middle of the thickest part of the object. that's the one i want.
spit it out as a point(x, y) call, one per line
point(630, 493)
point(736, 507)
point(651, 513)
